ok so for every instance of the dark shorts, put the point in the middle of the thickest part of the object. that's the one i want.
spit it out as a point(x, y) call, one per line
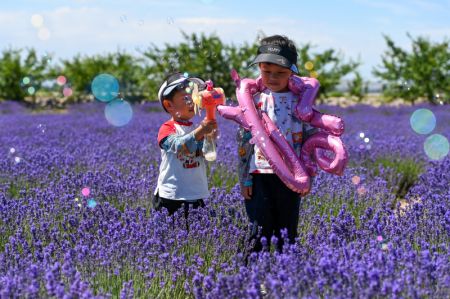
point(173, 205)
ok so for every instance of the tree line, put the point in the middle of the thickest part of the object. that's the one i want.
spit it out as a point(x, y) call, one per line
point(422, 73)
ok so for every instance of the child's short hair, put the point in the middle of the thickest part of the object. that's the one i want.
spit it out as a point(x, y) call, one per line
point(173, 83)
point(278, 49)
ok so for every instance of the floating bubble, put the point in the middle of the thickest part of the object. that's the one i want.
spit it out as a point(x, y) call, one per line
point(361, 190)
point(313, 74)
point(361, 135)
point(366, 140)
point(384, 246)
point(61, 80)
point(44, 34)
point(47, 57)
point(380, 238)
point(368, 146)
point(41, 128)
point(91, 203)
point(17, 160)
point(37, 20)
point(423, 121)
point(105, 87)
point(186, 75)
point(356, 180)
point(12, 150)
point(79, 205)
point(309, 65)
point(407, 85)
point(31, 90)
point(26, 80)
point(188, 90)
point(436, 146)
point(85, 191)
point(76, 199)
point(118, 112)
point(67, 91)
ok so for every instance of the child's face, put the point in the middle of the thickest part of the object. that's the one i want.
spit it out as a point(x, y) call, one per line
point(275, 77)
point(181, 107)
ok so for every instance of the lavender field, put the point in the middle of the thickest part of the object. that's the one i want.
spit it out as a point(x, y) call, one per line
point(381, 230)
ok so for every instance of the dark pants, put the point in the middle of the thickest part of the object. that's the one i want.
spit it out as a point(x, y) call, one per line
point(173, 205)
point(274, 207)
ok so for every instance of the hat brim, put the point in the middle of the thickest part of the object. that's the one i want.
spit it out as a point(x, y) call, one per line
point(166, 90)
point(275, 59)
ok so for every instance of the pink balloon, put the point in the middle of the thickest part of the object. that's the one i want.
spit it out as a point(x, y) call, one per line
point(307, 88)
point(330, 123)
point(295, 172)
point(316, 145)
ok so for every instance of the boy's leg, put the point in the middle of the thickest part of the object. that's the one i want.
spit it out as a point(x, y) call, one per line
point(259, 210)
point(193, 205)
point(286, 210)
point(171, 205)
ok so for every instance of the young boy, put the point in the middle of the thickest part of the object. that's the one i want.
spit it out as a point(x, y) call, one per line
point(269, 203)
point(182, 174)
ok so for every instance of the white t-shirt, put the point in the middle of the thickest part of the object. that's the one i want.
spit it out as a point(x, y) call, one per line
point(182, 175)
point(280, 107)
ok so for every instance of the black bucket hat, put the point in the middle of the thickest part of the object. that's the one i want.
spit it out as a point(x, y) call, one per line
point(280, 55)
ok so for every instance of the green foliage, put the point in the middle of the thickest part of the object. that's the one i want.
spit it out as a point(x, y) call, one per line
point(14, 68)
point(140, 77)
point(422, 73)
point(201, 55)
point(81, 70)
point(328, 67)
point(357, 87)
point(400, 173)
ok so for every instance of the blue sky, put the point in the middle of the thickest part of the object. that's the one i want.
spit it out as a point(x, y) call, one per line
point(354, 27)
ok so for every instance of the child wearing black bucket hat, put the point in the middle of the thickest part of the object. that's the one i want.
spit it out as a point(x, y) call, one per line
point(182, 180)
point(269, 203)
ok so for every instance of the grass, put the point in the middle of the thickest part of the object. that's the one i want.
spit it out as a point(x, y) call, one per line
point(400, 173)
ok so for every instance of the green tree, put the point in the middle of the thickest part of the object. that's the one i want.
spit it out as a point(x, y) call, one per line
point(21, 76)
point(422, 73)
point(81, 70)
point(357, 87)
point(328, 67)
point(205, 56)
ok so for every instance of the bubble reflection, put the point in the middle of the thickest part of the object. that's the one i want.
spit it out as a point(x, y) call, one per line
point(423, 121)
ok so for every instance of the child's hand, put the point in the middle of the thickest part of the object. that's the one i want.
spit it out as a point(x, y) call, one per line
point(206, 127)
point(246, 191)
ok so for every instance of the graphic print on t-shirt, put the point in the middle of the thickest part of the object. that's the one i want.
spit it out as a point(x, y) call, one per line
point(188, 159)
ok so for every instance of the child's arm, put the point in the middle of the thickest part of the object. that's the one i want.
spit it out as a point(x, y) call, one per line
point(192, 141)
point(245, 152)
point(176, 143)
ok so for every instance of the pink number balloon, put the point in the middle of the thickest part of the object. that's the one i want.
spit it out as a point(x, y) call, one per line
point(294, 171)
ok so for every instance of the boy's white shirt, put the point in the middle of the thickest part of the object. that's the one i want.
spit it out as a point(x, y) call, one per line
point(279, 106)
point(182, 175)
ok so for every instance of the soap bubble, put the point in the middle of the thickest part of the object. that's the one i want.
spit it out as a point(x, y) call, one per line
point(105, 87)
